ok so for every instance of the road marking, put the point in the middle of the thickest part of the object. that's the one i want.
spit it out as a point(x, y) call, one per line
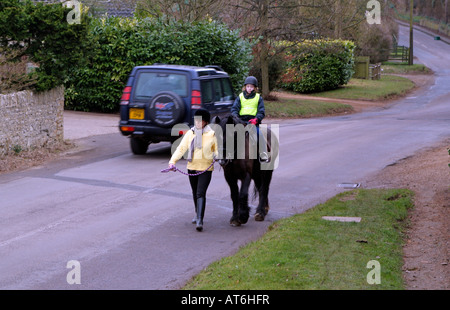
point(34, 232)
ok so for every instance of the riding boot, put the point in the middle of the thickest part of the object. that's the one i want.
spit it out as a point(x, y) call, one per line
point(194, 220)
point(262, 148)
point(201, 204)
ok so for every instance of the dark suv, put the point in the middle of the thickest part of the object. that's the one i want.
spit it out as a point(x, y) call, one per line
point(159, 96)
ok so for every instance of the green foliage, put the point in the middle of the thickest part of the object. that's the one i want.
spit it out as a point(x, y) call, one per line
point(319, 65)
point(42, 32)
point(17, 149)
point(116, 45)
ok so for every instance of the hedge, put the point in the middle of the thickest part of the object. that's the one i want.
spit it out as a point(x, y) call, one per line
point(116, 45)
point(319, 65)
point(41, 32)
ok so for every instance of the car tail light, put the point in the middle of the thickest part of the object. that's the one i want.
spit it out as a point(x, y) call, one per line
point(196, 99)
point(126, 128)
point(125, 100)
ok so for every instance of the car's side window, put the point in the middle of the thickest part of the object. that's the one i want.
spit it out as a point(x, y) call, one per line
point(227, 90)
point(218, 93)
point(207, 91)
point(222, 90)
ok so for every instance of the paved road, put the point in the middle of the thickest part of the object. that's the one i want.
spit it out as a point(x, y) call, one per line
point(129, 225)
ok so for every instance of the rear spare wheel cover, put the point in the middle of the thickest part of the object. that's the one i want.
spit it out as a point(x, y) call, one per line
point(166, 109)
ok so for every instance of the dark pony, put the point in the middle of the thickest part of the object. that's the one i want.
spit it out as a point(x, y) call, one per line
point(245, 169)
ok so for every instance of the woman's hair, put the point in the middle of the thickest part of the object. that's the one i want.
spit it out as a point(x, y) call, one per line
point(256, 89)
point(206, 116)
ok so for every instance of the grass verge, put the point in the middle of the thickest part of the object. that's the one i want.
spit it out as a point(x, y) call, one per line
point(401, 68)
point(299, 108)
point(389, 86)
point(307, 252)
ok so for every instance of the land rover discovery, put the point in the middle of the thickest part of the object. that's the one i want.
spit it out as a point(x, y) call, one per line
point(159, 96)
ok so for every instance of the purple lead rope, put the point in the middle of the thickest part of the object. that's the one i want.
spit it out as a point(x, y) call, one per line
point(188, 174)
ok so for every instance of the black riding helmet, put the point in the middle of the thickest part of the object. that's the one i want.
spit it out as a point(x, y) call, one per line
point(251, 80)
point(206, 116)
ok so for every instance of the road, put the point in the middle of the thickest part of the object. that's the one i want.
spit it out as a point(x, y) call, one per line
point(129, 226)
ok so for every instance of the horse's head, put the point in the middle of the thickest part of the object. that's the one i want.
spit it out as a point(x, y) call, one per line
point(222, 136)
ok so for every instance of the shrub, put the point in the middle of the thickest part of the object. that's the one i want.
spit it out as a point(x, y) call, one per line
point(375, 40)
point(315, 66)
point(41, 31)
point(14, 75)
point(117, 45)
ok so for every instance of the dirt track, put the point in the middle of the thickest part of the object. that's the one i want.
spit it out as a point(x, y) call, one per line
point(426, 252)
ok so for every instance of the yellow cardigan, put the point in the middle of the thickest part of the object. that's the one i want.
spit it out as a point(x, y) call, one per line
point(202, 158)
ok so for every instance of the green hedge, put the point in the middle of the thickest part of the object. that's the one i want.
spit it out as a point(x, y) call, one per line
point(41, 31)
point(116, 45)
point(315, 66)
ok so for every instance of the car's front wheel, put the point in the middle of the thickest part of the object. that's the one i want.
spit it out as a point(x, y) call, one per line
point(138, 146)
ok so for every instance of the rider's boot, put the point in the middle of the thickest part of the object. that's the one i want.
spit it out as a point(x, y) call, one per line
point(262, 147)
point(264, 157)
point(201, 204)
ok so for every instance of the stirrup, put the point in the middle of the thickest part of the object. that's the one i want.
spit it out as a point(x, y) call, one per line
point(264, 157)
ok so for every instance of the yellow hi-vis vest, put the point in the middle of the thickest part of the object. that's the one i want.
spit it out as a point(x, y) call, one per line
point(249, 106)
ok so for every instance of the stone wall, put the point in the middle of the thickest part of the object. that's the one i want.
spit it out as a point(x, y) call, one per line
point(29, 120)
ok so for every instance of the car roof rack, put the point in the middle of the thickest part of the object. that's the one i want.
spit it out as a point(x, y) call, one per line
point(218, 68)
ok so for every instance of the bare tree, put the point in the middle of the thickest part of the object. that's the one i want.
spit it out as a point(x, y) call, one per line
point(185, 10)
point(267, 21)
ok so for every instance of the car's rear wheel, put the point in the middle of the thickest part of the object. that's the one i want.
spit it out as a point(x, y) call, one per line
point(138, 146)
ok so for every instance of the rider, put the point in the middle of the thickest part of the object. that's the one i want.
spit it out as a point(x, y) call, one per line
point(249, 107)
point(201, 144)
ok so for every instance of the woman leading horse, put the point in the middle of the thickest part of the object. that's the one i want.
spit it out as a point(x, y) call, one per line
point(201, 143)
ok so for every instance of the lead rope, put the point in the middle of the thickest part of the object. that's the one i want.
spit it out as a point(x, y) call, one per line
point(188, 174)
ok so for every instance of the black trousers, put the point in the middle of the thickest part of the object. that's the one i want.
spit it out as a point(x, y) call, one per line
point(199, 184)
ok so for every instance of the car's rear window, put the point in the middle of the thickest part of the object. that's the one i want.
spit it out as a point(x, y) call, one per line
point(151, 83)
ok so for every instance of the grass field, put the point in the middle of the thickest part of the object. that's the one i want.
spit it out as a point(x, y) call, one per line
point(396, 68)
point(307, 252)
point(387, 87)
point(295, 108)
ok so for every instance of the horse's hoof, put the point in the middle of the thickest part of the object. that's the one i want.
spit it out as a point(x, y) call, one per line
point(259, 217)
point(243, 221)
point(235, 223)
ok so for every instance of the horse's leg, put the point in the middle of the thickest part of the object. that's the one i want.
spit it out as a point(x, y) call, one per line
point(244, 210)
point(257, 189)
point(263, 205)
point(234, 189)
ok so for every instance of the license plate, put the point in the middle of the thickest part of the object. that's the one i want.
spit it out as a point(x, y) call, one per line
point(136, 113)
